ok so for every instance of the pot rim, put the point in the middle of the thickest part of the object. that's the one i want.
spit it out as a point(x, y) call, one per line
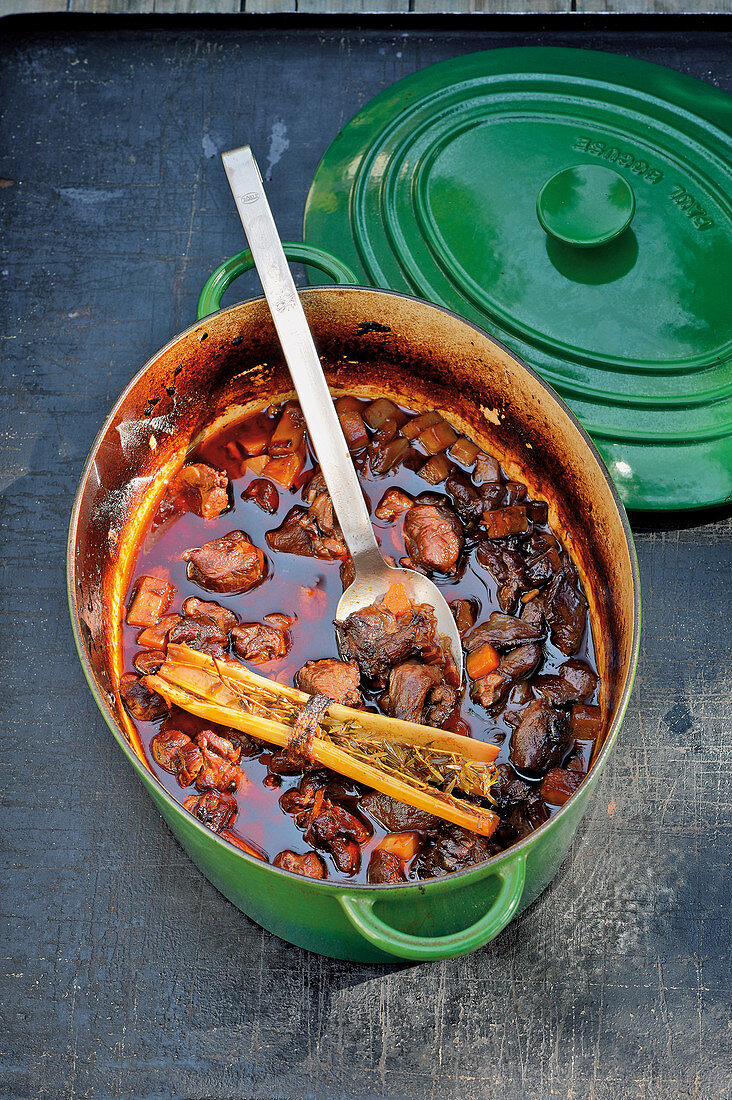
point(488, 866)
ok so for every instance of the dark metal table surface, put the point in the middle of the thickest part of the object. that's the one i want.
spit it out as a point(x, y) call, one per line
point(124, 973)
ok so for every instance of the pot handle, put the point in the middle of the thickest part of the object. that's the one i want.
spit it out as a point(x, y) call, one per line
point(224, 275)
point(360, 912)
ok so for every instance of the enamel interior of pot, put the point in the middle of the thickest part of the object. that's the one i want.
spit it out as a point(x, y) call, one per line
point(371, 343)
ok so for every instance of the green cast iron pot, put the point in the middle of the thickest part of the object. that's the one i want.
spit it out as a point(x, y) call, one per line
point(372, 342)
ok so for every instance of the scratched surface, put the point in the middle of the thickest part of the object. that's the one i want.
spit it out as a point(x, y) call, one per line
point(124, 974)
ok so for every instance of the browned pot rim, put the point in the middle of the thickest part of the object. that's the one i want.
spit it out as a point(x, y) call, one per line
point(488, 866)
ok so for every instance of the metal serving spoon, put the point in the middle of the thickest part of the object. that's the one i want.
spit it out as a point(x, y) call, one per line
point(373, 576)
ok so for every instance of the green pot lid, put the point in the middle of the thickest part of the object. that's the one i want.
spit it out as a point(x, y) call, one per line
point(578, 206)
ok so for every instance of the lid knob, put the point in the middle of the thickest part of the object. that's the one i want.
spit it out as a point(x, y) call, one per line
point(585, 206)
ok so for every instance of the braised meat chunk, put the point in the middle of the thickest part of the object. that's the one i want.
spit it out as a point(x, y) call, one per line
point(507, 569)
point(565, 609)
point(493, 688)
point(205, 489)
point(205, 626)
point(259, 642)
point(339, 680)
point(396, 817)
point(377, 639)
point(453, 849)
point(143, 704)
point(502, 631)
point(395, 502)
point(300, 533)
point(309, 864)
point(385, 867)
point(433, 536)
point(418, 693)
point(575, 683)
point(539, 738)
point(264, 493)
point(215, 810)
point(229, 564)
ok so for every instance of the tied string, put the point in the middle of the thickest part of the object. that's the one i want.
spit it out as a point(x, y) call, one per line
point(307, 723)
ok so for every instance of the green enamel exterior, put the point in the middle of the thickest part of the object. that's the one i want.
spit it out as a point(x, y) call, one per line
point(432, 189)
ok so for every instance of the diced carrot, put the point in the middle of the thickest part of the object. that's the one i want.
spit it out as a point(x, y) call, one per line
point(436, 469)
point(397, 600)
point(379, 411)
point(253, 436)
point(482, 661)
point(151, 599)
point(487, 468)
point(402, 845)
point(417, 424)
point(257, 464)
point(559, 784)
point(290, 431)
point(155, 637)
point(285, 468)
point(502, 522)
point(437, 438)
point(354, 429)
point(464, 451)
point(382, 459)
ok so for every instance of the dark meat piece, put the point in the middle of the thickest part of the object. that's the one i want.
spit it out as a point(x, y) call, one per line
point(229, 564)
point(149, 661)
point(565, 609)
point(541, 568)
point(204, 627)
point(492, 495)
point(397, 817)
point(329, 819)
point(166, 748)
point(339, 680)
point(417, 694)
point(215, 810)
point(346, 855)
point(574, 683)
point(190, 762)
point(509, 791)
point(433, 537)
point(532, 613)
point(299, 533)
point(264, 493)
point(538, 511)
point(151, 598)
point(385, 867)
point(502, 522)
point(502, 631)
point(309, 864)
point(393, 503)
point(559, 784)
point(143, 704)
point(453, 849)
point(220, 770)
point(515, 665)
point(466, 500)
point(507, 569)
point(205, 489)
point(377, 640)
point(464, 612)
point(259, 642)
point(220, 616)
point(540, 737)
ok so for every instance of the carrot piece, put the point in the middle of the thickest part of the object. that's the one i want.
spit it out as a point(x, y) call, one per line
point(481, 661)
point(354, 429)
point(155, 637)
point(380, 410)
point(464, 451)
point(417, 424)
point(437, 438)
point(403, 845)
point(290, 431)
point(435, 469)
point(397, 600)
point(256, 464)
point(285, 468)
point(252, 437)
point(151, 599)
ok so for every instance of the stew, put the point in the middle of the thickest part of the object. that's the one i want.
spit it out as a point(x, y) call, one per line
point(244, 559)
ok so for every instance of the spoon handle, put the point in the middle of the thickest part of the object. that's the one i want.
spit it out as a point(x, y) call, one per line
point(301, 356)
